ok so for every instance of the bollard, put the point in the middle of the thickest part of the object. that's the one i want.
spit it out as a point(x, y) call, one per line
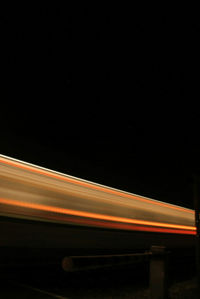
point(158, 273)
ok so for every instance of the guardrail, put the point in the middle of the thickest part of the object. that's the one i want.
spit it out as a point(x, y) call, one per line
point(157, 257)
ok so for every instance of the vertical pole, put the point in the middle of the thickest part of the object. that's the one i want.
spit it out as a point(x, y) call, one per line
point(197, 223)
point(158, 273)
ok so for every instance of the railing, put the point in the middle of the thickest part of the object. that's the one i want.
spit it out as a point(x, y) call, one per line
point(158, 265)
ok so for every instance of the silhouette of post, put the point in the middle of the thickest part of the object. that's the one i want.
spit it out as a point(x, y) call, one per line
point(197, 223)
point(158, 273)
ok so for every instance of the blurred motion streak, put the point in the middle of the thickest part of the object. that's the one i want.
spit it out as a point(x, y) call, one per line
point(92, 215)
point(36, 193)
point(53, 174)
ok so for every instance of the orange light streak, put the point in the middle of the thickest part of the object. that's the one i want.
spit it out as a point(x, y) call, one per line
point(84, 214)
point(121, 226)
point(89, 185)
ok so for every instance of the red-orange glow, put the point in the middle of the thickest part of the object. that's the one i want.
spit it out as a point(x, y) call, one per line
point(84, 214)
point(90, 185)
point(117, 225)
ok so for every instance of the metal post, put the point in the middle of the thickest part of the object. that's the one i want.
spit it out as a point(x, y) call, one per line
point(158, 273)
point(197, 223)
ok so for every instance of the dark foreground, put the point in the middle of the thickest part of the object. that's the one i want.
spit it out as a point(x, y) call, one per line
point(119, 282)
point(182, 290)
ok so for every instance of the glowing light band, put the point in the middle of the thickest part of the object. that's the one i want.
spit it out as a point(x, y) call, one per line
point(84, 214)
point(69, 179)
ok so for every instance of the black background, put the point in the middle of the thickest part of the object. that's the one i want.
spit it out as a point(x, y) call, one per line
point(109, 95)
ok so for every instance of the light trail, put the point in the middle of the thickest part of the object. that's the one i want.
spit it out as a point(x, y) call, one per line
point(96, 216)
point(90, 185)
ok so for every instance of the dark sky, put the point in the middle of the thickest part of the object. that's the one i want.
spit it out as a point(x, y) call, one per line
point(109, 96)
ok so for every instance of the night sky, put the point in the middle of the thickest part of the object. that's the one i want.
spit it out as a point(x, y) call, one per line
point(105, 95)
